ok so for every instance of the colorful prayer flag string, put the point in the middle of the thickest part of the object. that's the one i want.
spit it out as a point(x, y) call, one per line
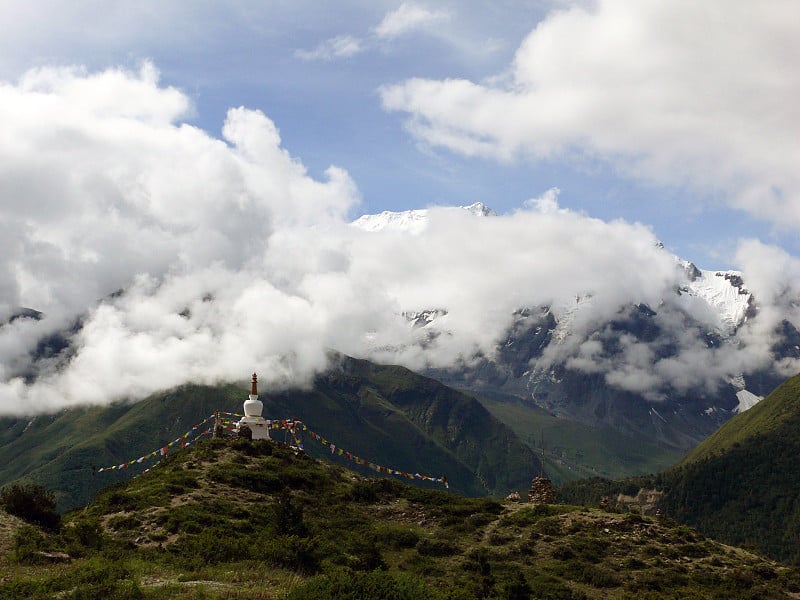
point(183, 440)
point(293, 426)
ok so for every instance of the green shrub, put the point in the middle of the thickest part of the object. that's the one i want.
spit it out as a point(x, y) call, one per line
point(291, 552)
point(547, 587)
point(693, 550)
point(593, 575)
point(428, 547)
point(364, 555)
point(396, 536)
point(122, 522)
point(289, 515)
point(188, 518)
point(99, 577)
point(634, 564)
point(29, 542)
point(119, 500)
point(253, 448)
point(483, 580)
point(376, 585)
point(364, 491)
point(475, 522)
point(423, 566)
point(563, 553)
point(549, 526)
point(82, 535)
point(659, 580)
point(764, 572)
point(499, 539)
point(588, 548)
point(517, 588)
point(530, 515)
point(31, 503)
point(264, 482)
point(212, 546)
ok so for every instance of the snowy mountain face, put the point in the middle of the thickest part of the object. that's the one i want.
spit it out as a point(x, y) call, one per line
point(412, 221)
point(566, 360)
point(722, 294)
point(725, 294)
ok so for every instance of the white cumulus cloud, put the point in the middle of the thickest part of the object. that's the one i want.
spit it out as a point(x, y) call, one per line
point(229, 258)
point(102, 187)
point(702, 94)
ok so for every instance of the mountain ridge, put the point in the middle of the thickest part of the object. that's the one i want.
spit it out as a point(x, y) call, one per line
point(563, 359)
point(388, 415)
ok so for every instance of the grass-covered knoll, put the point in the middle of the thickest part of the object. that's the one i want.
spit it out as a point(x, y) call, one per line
point(244, 520)
point(741, 486)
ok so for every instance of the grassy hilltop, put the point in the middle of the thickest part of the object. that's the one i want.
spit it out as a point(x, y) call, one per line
point(236, 519)
point(741, 485)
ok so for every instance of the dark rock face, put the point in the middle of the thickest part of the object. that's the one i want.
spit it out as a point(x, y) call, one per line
point(788, 341)
point(24, 313)
point(674, 416)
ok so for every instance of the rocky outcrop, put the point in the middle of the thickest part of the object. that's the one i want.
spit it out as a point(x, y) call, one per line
point(542, 491)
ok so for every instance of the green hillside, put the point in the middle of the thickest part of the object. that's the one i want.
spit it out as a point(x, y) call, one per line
point(574, 450)
point(778, 412)
point(244, 519)
point(387, 415)
point(741, 486)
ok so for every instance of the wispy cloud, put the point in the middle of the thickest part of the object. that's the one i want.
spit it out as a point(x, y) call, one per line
point(342, 46)
point(406, 18)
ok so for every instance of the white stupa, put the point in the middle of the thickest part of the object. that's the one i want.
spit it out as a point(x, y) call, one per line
point(252, 414)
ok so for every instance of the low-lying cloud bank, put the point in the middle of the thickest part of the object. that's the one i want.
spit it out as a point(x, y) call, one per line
point(232, 258)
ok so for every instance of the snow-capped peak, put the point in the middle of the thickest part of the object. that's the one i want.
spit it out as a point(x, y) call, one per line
point(725, 294)
point(412, 221)
point(479, 209)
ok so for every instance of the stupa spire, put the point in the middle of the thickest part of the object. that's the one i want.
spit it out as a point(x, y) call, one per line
point(256, 426)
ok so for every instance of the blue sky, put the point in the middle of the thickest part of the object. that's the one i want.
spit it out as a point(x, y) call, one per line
point(329, 109)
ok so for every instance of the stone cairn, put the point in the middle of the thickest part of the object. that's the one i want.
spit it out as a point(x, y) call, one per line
point(542, 491)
